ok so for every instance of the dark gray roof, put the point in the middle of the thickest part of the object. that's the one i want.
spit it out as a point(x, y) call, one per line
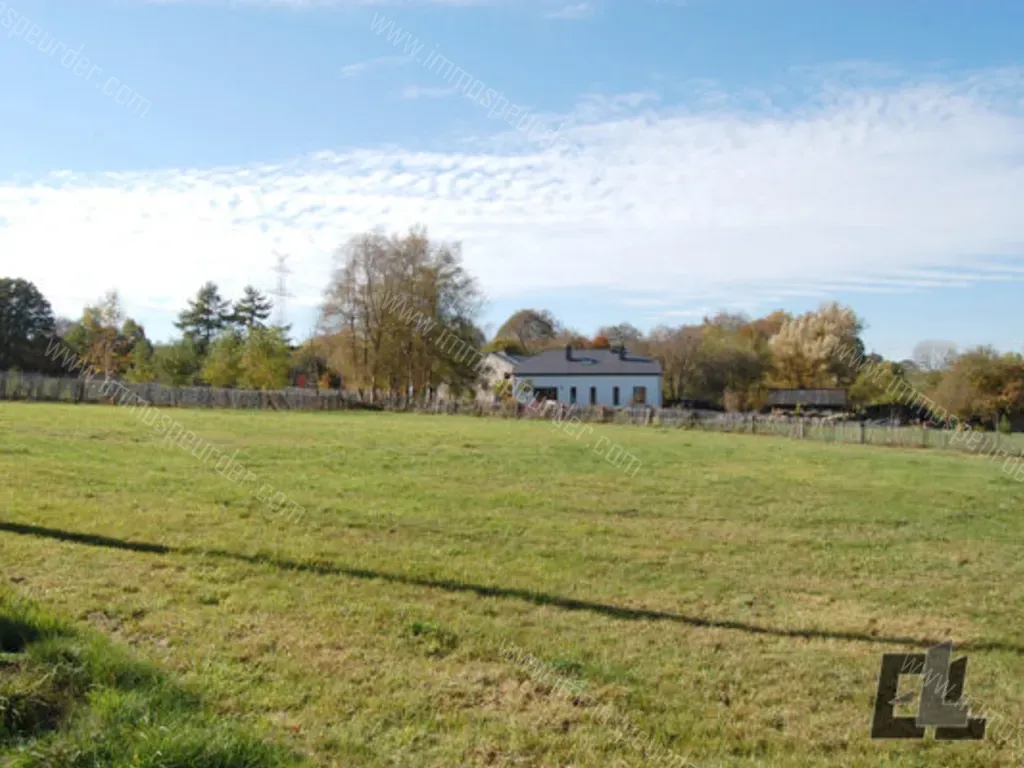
point(812, 397)
point(586, 362)
point(503, 355)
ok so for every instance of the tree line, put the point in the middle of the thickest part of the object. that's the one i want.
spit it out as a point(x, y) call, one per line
point(222, 343)
point(362, 344)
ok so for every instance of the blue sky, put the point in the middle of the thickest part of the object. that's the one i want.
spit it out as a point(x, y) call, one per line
point(713, 154)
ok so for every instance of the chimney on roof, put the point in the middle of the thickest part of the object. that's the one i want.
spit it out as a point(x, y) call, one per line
point(622, 352)
point(568, 351)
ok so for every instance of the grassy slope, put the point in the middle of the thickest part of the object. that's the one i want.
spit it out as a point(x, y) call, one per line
point(72, 699)
point(733, 599)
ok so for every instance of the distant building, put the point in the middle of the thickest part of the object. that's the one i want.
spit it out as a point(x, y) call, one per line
point(894, 413)
point(807, 400)
point(692, 404)
point(498, 366)
point(592, 377)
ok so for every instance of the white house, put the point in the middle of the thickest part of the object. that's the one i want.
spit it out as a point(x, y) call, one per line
point(592, 377)
point(498, 366)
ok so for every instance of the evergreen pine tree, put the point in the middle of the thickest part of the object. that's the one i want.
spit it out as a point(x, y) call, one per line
point(206, 316)
point(251, 310)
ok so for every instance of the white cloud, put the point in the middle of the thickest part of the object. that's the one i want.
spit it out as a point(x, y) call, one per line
point(871, 189)
point(414, 92)
point(359, 67)
point(311, 4)
point(571, 11)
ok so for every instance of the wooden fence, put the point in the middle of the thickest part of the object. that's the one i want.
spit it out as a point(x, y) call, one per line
point(40, 388)
point(837, 431)
point(36, 387)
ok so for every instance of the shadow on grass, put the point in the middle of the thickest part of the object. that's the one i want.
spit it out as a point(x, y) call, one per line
point(16, 634)
point(526, 595)
point(70, 697)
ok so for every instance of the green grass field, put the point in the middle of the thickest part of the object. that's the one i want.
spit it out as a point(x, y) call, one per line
point(729, 604)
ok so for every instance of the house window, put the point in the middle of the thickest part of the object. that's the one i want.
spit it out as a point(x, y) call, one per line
point(640, 395)
point(593, 395)
point(546, 393)
point(615, 395)
point(572, 395)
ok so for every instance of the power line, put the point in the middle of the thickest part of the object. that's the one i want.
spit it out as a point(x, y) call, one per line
point(281, 294)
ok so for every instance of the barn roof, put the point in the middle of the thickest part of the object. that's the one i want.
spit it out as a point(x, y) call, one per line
point(808, 397)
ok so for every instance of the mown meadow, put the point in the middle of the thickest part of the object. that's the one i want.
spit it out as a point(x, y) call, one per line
point(730, 602)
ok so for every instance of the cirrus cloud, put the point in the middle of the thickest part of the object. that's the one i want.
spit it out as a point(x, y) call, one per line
point(872, 188)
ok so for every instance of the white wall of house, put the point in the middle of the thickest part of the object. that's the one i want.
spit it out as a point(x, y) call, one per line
point(604, 385)
point(494, 370)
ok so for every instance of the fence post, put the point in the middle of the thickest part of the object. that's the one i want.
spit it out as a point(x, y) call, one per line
point(863, 433)
point(924, 435)
point(800, 429)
